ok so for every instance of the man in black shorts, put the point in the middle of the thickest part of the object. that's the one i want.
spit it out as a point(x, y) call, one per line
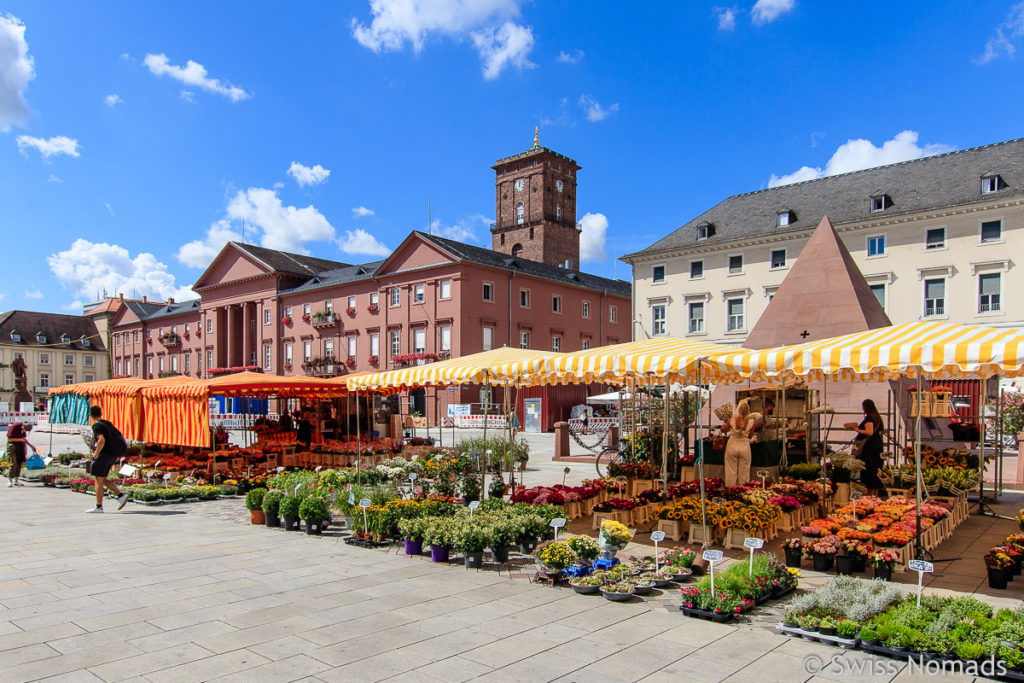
point(110, 445)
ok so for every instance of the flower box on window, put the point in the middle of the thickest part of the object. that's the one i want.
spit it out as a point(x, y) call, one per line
point(374, 360)
point(373, 308)
point(286, 320)
point(350, 310)
point(351, 361)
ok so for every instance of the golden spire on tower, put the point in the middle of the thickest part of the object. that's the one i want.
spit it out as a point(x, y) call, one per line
point(536, 136)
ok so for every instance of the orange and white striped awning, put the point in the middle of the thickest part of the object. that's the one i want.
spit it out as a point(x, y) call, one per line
point(938, 349)
point(497, 365)
point(656, 361)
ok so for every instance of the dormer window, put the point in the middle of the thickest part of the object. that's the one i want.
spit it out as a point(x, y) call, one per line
point(65, 339)
point(15, 337)
point(705, 230)
point(84, 341)
point(784, 218)
point(880, 201)
point(992, 182)
point(40, 337)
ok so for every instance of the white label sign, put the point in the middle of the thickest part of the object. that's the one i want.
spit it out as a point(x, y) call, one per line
point(855, 495)
point(458, 409)
point(718, 501)
point(412, 477)
point(167, 477)
point(126, 471)
point(657, 536)
point(474, 505)
point(158, 463)
point(921, 566)
point(557, 523)
point(712, 555)
point(318, 468)
point(364, 503)
point(280, 469)
point(755, 543)
point(415, 457)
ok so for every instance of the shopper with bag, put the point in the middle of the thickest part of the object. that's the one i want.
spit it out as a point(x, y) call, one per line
point(739, 427)
point(17, 442)
point(867, 446)
point(110, 445)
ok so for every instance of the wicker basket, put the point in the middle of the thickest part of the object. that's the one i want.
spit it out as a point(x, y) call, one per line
point(724, 412)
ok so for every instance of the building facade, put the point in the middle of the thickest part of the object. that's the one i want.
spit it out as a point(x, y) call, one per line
point(934, 238)
point(432, 298)
point(57, 349)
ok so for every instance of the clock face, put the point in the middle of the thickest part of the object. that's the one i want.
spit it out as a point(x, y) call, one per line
point(519, 185)
point(559, 185)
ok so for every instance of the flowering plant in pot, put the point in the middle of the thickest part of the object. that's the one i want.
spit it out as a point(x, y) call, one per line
point(413, 529)
point(286, 320)
point(793, 548)
point(823, 551)
point(288, 508)
point(555, 555)
point(586, 548)
point(883, 562)
point(254, 504)
point(613, 537)
point(313, 511)
point(440, 534)
point(271, 503)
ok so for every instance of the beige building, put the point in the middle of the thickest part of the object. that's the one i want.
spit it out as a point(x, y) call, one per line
point(934, 238)
point(57, 349)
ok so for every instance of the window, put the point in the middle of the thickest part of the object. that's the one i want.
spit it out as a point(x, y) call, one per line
point(188, 362)
point(556, 304)
point(705, 231)
point(446, 289)
point(524, 298)
point(89, 378)
point(879, 292)
point(119, 366)
point(69, 379)
point(517, 249)
point(612, 314)
point(375, 344)
point(396, 343)
point(935, 297)
point(488, 340)
point(734, 312)
point(586, 343)
point(880, 202)
point(988, 292)
point(695, 316)
point(174, 363)
point(419, 293)
point(351, 302)
point(524, 340)
point(149, 366)
point(992, 231)
point(287, 353)
point(160, 363)
point(736, 264)
point(586, 309)
point(558, 212)
point(935, 238)
point(267, 353)
point(520, 215)
point(556, 343)
point(374, 298)
point(991, 183)
point(488, 292)
point(329, 306)
point(419, 340)
point(657, 274)
point(44, 359)
point(696, 270)
point(396, 296)
point(778, 258)
point(287, 314)
point(209, 362)
point(876, 245)
point(446, 338)
point(784, 218)
point(44, 379)
point(306, 308)
point(266, 316)
point(328, 348)
point(307, 350)
point(351, 346)
point(69, 359)
point(209, 328)
point(658, 320)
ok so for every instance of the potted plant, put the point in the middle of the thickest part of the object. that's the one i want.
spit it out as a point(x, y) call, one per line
point(586, 585)
point(286, 320)
point(412, 530)
point(847, 628)
point(998, 564)
point(554, 557)
point(350, 310)
point(827, 626)
point(440, 534)
point(372, 308)
point(271, 503)
point(288, 508)
point(586, 548)
point(504, 533)
point(794, 549)
point(471, 538)
point(313, 511)
point(534, 526)
point(618, 592)
point(496, 489)
point(823, 551)
point(883, 562)
point(254, 503)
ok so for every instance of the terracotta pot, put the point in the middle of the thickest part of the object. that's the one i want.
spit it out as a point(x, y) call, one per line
point(257, 517)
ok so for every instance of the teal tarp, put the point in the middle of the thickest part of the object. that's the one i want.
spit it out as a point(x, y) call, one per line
point(69, 409)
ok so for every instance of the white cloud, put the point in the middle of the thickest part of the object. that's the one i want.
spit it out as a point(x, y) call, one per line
point(362, 211)
point(33, 294)
point(16, 70)
point(1000, 44)
point(73, 307)
point(48, 148)
point(284, 227)
point(2, 296)
point(567, 58)
point(463, 230)
point(54, 179)
point(508, 45)
point(594, 110)
point(854, 155)
point(188, 96)
point(500, 42)
point(767, 11)
point(304, 175)
point(88, 269)
point(194, 74)
point(112, 99)
point(593, 233)
point(726, 18)
point(199, 253)
point(359, 241)
point(109, 208)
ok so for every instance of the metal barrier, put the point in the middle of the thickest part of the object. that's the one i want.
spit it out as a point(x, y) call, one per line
point(594, 424)
point(32, 418)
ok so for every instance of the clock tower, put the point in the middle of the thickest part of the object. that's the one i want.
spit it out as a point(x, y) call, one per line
point(535, 207)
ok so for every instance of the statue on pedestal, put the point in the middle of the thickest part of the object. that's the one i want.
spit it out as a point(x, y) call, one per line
point(21, 394)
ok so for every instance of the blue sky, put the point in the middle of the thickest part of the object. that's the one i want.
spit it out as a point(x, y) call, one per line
point(135, 138)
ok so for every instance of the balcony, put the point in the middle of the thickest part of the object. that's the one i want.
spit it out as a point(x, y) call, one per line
point(418, 358)
point(322, 367)
point(170, 339)
point(547, 218)
point(325, 319)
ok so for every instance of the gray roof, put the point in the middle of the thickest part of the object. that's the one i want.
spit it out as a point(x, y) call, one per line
point(177, 308)
point(337, 276)
point(496, 259)
point(143, 309)
point(28, 324)
point(286, 262)
point(950, 179)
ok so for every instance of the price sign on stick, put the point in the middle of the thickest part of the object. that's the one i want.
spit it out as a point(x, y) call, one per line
point(556, 524)
point(364, 503)
point(657, 536)
point(764, 475)
point(718, 500)
point(318, 468)
point(753, 544)
point(158, 463)
point(922, 568)
point(473, 506)
point(280, 469)
point(126, 471)
point(412, 477)
point(47, 460)
point(712, 556)
point(167, 477)
point(854, 495)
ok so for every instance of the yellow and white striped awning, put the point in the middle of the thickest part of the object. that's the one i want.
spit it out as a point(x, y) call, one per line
point(655, 361)
point(939, 349)
point(496, 366)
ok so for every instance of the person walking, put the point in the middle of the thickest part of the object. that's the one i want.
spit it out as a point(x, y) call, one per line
point(110, 445)
point(17, 441)
point(739, 427)
point(869, 445)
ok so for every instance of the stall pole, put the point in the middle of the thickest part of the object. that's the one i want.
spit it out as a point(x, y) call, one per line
point(359, 442)
point(700, 465)
point(664, 441)
point(784, 461)
point(437, 414)
point(918, 550)
point(483, 456)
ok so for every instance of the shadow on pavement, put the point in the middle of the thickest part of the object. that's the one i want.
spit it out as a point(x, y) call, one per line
point(152, 512)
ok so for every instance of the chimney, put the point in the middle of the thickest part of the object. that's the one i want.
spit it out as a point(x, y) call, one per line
point(120, 296)
point(568, 264)
point(170, 301)
point(143, 298)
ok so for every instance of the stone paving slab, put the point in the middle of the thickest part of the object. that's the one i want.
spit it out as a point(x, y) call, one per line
point(200, 594)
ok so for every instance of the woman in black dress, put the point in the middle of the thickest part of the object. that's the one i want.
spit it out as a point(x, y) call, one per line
point(869, 439)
